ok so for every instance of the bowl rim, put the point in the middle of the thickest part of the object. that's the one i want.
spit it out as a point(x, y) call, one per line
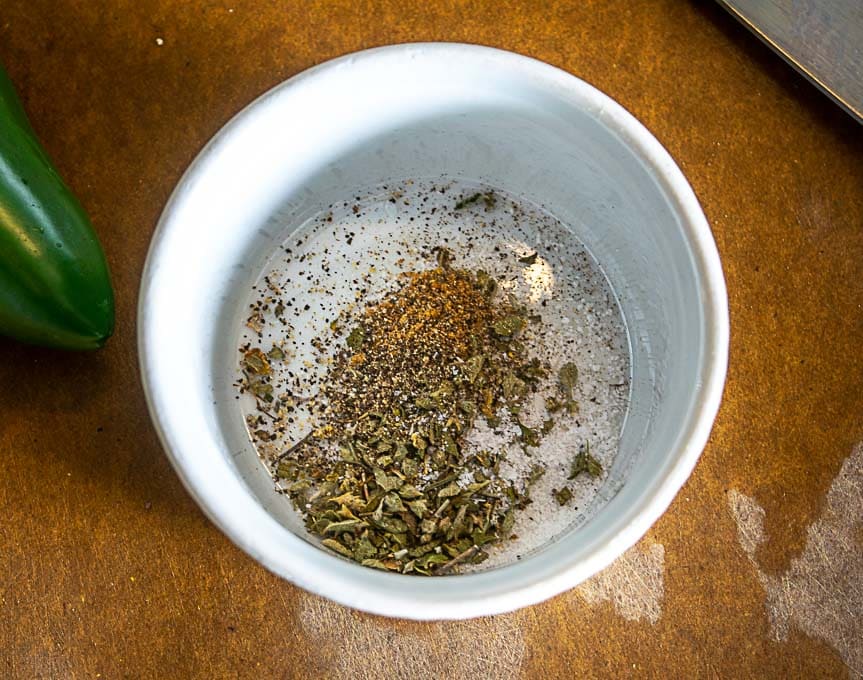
point(693, 433)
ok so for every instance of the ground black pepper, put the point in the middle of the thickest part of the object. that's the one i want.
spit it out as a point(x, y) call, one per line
point(412, 376)
point(353, 408)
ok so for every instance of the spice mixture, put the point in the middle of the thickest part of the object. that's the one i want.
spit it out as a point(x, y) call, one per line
point(426, 422)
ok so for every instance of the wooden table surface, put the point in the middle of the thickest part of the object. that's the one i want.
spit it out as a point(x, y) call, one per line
point(107, 567)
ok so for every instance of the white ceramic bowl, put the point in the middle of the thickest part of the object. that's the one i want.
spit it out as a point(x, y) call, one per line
point(423, 110)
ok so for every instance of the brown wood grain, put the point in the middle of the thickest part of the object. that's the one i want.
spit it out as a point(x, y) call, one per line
point(107, 567)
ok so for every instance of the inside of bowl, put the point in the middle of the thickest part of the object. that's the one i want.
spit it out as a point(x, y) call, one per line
point(581, 173)
point(425, 111)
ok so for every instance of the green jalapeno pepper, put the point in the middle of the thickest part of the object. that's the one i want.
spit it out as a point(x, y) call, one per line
point(54, 284)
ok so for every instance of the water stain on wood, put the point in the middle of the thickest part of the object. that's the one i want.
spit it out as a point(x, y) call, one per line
point(821, 593)
point(634, 584)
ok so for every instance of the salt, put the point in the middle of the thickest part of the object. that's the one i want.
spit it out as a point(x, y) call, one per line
point(351, 253)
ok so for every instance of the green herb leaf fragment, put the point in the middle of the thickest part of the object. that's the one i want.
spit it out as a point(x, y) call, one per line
point(409, 492)
point(467, 407)
point(349, 500)
point(463, 203)
point(255, 362)
point(262, 390)
point(486, 284)
point(348, 453)
point(553, 405)
point(419, 507)
point(514, 389)
point(532, 371)
point(585, 462)
point(451, 489)
point(536, 471)
point(392, 503)
point(286, 469)
point(410, 468)
point(425, 403)
point(276, 353)
point(391, 524)
point(488, 198)
point(443, 256)
point(508, 326)
point(363, 549)
point(385, 481)
point(472, 367)
point(449, 445)
point(356, 338)
point(431, 559)
point(507, 524)
point(346, 525)
point(567, 378)
point(562, 496)
point(335, 546)
point(529, 435)
point(375, 564)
